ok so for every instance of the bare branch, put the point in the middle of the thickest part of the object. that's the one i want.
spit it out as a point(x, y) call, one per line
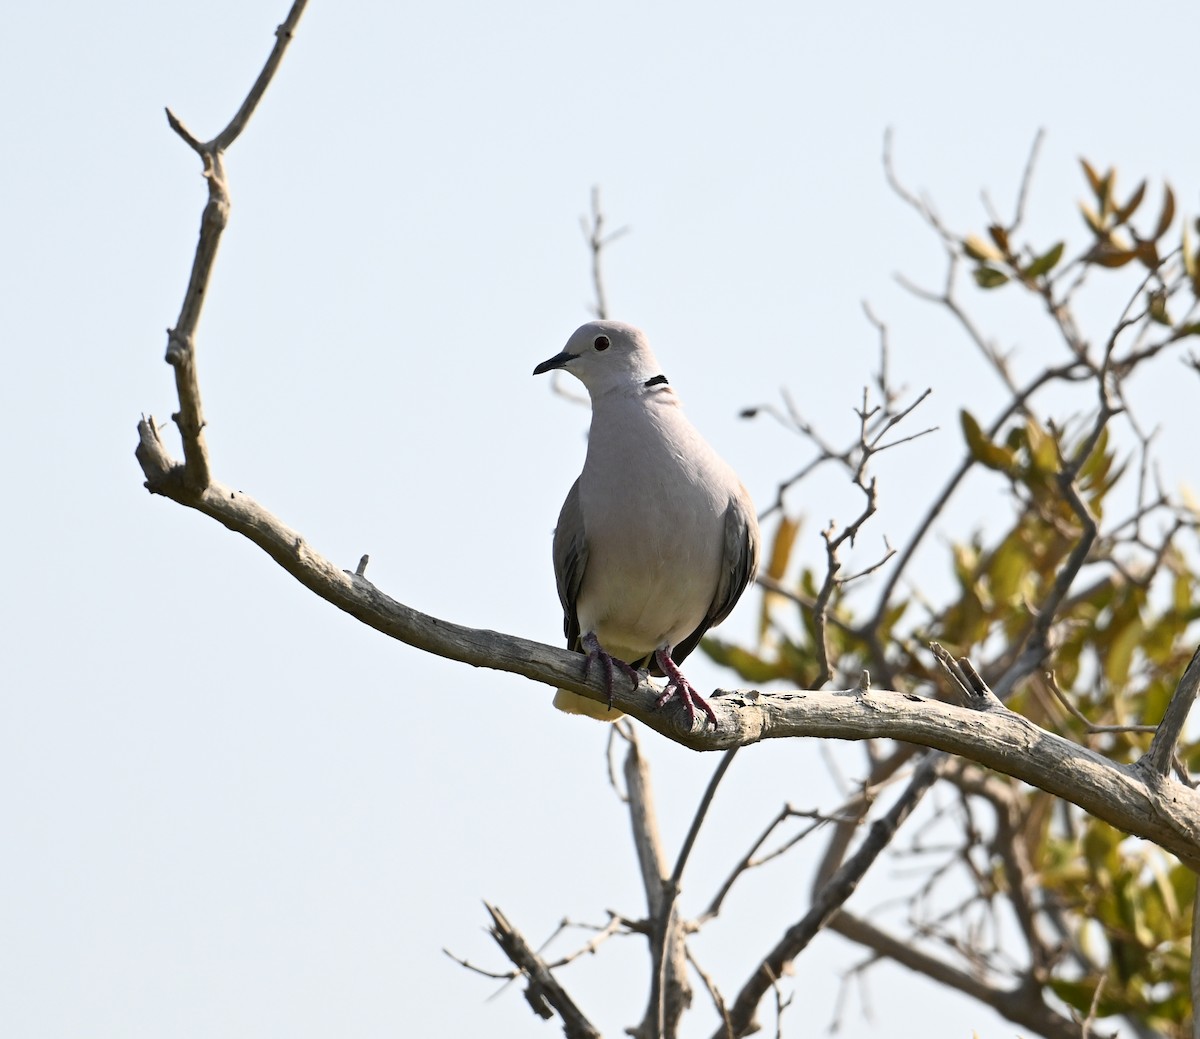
point(1157, 760)
point(714, 994)
point(1023, 1005)
point(1051, 683)
point(544, 994)
point(1194, 971)
point(283, 36)
point(996, 738)
point(1027, 180)
point(670, 991)
point(922, 205)
point(597, 240)
point(698, 819)
point(750, 860)
point(1070, 372)
point(505, 976)
point(181, 340)
point(840, 887)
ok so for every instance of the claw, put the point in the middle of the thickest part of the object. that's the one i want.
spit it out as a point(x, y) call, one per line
point(596, 652)
point(679, 686)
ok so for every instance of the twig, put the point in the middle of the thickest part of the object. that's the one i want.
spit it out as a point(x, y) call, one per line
point(1085, 1028)
point(597, 241)
point(544, 993)
point(1023, 1005)
point(181, 340)
point(748, 861)
point(1051, 682)
point(882, 379)
point(506, 976)
point(1157, 760)
point(1069, 372)
point(1027, 180)
point(698, 819)
point(714, 994)
point(839, 888)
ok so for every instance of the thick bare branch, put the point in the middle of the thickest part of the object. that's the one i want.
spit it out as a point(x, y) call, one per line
point(1194, 972)
point(1168, 814)
point(996, 738)
point(670, 990)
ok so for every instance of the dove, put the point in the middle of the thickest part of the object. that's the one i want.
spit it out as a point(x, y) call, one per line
point(657, 538)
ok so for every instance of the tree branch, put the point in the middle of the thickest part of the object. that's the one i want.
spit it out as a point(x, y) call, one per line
point(544, 991)
point(998, 738)
point(1023, 1005)
point(1162, 748)
point(834, 894)
point(670, 993)
point(181, 340)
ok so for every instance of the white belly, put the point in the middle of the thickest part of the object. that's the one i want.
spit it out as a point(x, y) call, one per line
point(652, 585)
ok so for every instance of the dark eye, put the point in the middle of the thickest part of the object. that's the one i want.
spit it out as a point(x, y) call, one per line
point(601, 343)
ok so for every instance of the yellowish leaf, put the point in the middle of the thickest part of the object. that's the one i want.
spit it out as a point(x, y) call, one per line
point(976, 248)
point(1092, 176)
point(1167, 214)
point(1126, 211)
point(781, 547)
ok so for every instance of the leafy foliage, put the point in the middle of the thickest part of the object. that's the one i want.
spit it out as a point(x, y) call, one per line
point(1082, 623)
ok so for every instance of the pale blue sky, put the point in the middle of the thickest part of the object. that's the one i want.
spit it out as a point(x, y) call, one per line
point(230, 810)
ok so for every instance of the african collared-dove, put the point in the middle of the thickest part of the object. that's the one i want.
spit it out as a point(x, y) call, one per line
point(657, 539)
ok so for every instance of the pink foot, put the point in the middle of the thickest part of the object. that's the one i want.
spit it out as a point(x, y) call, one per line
point(679, 686)
point(596, 652)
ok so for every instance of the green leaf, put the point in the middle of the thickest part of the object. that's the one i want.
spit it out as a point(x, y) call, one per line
point(1008, 569)
point(1078, 994)
point(1120, 652)
point(1043, 448)
point(748, 665)
point(1157, 307)
point(989, 277)
point(982, 449)
point(1045, 262)
point(1099, 462)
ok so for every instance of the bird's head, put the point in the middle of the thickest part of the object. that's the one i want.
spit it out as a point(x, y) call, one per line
point(606, 356)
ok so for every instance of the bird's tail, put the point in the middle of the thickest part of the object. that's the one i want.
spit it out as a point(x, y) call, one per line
point(573, 703)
